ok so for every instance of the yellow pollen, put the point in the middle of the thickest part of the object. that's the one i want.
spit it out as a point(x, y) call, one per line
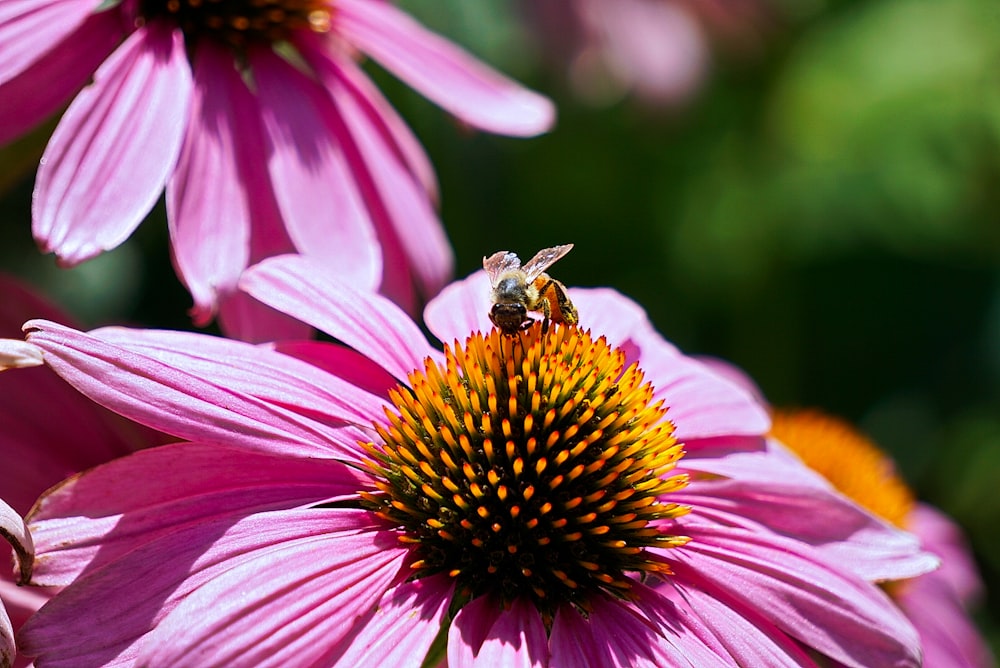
point(851, 462)
point(528, 464)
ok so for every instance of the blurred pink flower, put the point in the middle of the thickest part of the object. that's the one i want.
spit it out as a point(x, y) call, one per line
point(49, 432)
point(937, 602)
point(256, 117)
point(659, 50)
point(342, 504)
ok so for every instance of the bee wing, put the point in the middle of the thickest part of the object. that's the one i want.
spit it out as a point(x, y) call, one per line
point(544, 259)
point(500, 262)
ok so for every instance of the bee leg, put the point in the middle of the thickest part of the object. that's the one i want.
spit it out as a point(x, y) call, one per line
point(567, 310)
point(546, 312)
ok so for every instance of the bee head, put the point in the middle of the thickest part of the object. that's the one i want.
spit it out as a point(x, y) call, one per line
point(509, 317)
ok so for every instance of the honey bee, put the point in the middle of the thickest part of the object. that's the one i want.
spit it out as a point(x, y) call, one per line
point(517, 290)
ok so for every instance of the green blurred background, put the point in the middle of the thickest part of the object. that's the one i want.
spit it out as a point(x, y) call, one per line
point(823, 212)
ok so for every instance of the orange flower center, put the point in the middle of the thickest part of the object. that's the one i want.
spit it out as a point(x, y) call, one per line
point(851, 462)
point(531, 464)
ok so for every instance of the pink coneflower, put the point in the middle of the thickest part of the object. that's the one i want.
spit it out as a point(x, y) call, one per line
point(49, 430)
point(658, 50)
point(937, 603)
point(513, 500)
point(256, 117)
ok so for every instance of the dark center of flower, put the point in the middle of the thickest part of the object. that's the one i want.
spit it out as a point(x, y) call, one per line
point(529, 465)
point(239, 23)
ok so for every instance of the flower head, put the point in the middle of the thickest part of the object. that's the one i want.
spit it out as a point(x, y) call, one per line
point(558, 497)
point(937, 602)
point(546, 487)
point(258, 121)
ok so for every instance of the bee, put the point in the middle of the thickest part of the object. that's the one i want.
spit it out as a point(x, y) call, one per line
point(517, 290)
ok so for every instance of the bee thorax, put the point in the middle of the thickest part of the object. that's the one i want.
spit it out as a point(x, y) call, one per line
point(510, 289)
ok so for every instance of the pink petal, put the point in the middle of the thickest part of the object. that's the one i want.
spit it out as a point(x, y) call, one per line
point(15, 532)
point(460, 309)
point(948, 636)
point(269, 235)
point(207, 206)
point(64, 70)
point(516, 637)
point(701, 404)
point(110, 156)
point(292, 605)
point(239, 315)
point(8, 650)
point(291, 384)
point(587, 643)
point(614, 635)
point(941, 535)
point(469, 629)
point(393, 128)
point(399, 631)
point(736, 634)
point(733, 373)
point(440, 70)
point(776, 491)
point(345, 363)
point(130, 503)
point(176, 402)
point(30, 28)
point(370, 324)
point(125, 599)
point(833, 611)
point(312, 179)
point(21, 602)
point(609, 313)
point(400, 206)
